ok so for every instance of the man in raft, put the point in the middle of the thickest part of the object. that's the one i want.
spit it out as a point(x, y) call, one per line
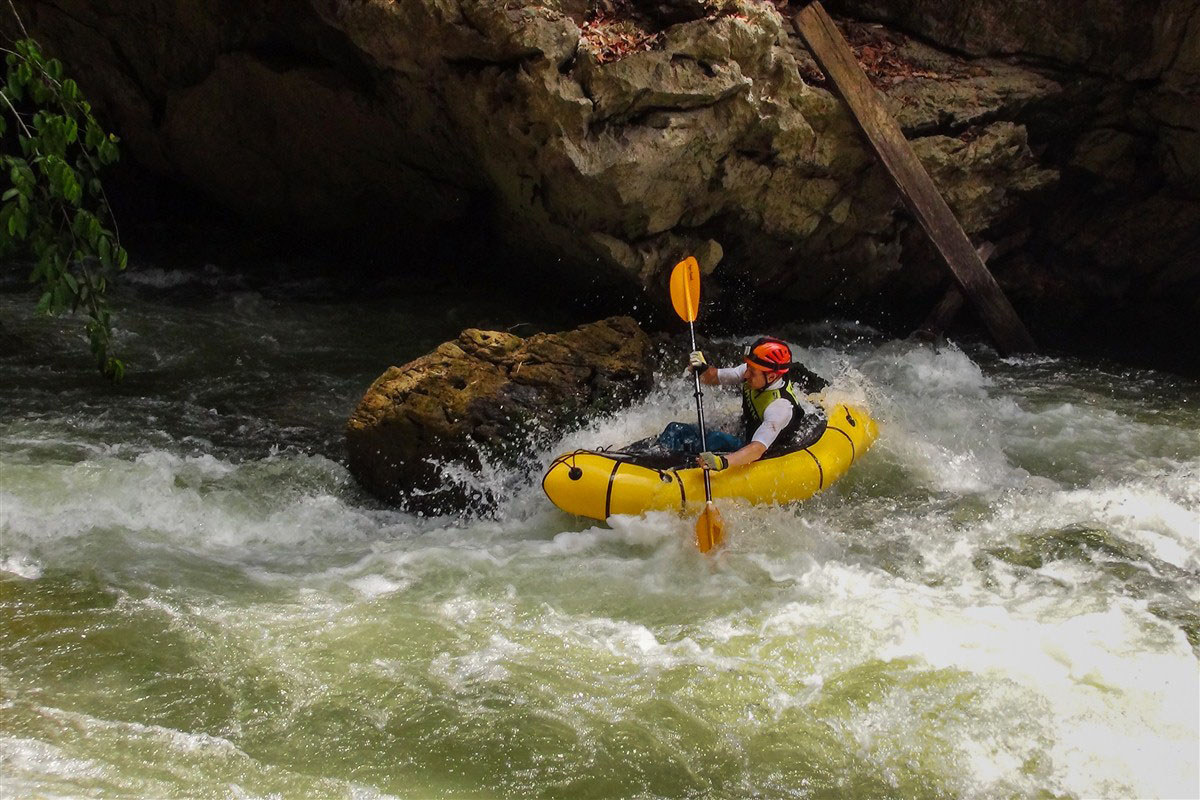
point(774, 409)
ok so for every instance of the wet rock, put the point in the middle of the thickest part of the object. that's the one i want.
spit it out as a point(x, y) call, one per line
point(422, 431)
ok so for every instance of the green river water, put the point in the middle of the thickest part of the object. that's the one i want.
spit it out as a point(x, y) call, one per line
point(999, 601)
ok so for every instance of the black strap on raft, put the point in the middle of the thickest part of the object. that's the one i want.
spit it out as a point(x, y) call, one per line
point(573, 472)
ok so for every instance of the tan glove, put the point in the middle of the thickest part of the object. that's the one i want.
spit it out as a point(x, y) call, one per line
point(696, 362)
point(714, 461)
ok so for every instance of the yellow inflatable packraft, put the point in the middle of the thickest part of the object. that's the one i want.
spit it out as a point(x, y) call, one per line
point(598, 484)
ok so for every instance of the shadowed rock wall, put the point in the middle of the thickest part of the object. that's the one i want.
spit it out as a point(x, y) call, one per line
point(1116, 245)
point(614, 146)
point(334, 114)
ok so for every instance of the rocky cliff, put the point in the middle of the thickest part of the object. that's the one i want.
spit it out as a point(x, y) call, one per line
point(616, 136)
point(1117, 243)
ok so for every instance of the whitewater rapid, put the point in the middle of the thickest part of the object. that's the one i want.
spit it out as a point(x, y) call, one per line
point(1000, 599)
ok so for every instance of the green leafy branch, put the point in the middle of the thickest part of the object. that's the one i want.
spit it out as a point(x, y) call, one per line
point(54, 209)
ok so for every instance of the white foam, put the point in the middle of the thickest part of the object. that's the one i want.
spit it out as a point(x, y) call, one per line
point(20, 564)
point(32, 758)
point(159, 278)
point(942, 374)
point(198, 501)
point(1123, 716)
point(375, 585)
point(1168, 528)
point(486, 665)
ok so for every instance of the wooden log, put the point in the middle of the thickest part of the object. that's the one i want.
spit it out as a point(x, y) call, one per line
point(917, 189)
point(943, 314)
point(935, 325)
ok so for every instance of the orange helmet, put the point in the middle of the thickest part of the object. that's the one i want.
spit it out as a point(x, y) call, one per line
point(769, 354)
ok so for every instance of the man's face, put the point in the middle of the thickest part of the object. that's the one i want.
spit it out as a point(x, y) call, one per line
point(756, 377)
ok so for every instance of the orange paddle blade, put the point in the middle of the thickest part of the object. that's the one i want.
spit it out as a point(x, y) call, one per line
point(710, 529)
point(685, 289)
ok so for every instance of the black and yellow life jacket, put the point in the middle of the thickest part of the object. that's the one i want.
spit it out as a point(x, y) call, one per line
point(755, 402)
point(754, 405)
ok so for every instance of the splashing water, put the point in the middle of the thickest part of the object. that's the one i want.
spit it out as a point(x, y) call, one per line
point(1000, 600)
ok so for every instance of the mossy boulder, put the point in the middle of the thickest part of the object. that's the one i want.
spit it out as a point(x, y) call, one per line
point(422, 431)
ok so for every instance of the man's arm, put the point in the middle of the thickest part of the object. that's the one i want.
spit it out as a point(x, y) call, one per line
point(718, 462)
point(724, 376)
point(749, 453)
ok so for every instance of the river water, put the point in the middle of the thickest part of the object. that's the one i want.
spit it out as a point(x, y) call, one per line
point(999, 600)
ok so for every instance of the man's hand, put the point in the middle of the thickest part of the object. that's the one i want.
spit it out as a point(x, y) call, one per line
point(714, 461)
point(696, 363)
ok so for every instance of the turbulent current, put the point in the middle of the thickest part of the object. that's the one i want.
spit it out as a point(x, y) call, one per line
point(999, 601)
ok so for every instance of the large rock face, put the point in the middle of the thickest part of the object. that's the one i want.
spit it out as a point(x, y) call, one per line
point(336, 114)
point(420, 433)
point(688, 127)
point(1121, 233)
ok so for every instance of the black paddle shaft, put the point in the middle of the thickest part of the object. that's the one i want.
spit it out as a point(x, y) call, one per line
point(700, 416)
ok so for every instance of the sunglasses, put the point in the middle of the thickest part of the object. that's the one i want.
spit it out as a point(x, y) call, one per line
point(752, 367)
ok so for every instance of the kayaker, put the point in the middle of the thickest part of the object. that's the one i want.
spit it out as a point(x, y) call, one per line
point(774, 408)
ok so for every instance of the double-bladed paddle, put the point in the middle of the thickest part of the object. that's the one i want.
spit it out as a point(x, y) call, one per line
point(685, 297)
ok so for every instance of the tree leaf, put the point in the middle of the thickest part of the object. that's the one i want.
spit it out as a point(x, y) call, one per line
point(55, 176)
point(15, 92)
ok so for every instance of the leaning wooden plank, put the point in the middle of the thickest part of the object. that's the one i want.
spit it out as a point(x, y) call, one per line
point(935, 325)
point(917, 189)
point(938, 321)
